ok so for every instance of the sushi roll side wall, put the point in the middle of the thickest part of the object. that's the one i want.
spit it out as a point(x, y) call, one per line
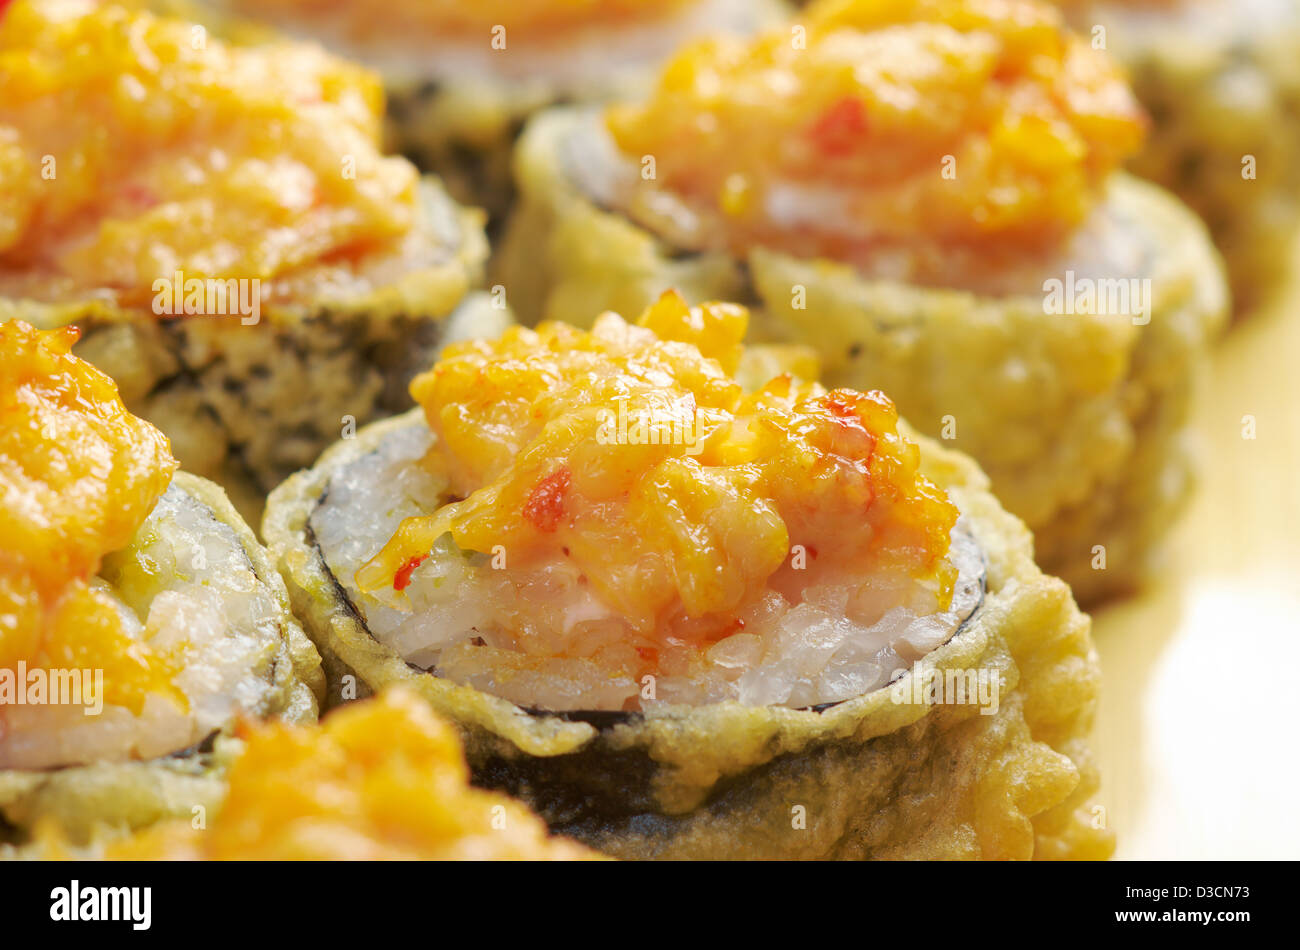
point(723, 643)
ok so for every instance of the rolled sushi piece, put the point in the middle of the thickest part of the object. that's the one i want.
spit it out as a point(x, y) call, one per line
point(683, 619)
point(925, 193)
point(1221, 82)
point(139, 616)
point(463, 77)
point(219, 221)
point(328, 792)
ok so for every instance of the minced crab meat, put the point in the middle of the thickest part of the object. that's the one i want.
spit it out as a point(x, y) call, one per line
point(669, 539)
point(78, 475)
point(161, 154)
point(924, 121)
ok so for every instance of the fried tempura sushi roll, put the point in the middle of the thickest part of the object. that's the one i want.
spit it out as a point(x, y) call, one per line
point(682, 619)
point(924, 192)
point(1220, 81)
point(329, 792)
point(220, 223)
point(139, 617)
point(462, 77)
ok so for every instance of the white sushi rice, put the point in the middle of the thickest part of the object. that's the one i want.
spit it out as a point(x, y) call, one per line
point(459, 618)
point(184, 583)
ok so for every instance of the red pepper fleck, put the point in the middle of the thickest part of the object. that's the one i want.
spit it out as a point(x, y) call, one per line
point(545, 505)
point(402, 579)
point(736, 625)
point(140, 196)
point(812, 551)
point(648, 655)
point(841, 127)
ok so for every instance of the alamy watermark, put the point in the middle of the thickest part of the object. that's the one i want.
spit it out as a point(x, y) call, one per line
point(977, 687)
point(180, 296)
point(58, 687)
point(133, 905)
point(1108, 296)
point(648, 427)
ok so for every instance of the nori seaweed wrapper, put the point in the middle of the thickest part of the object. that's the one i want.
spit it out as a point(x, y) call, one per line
point(870, 777)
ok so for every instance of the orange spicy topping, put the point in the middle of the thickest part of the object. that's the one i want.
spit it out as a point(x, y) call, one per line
point(871, 123)
point(632, 453)
point(840, 129)
point(78, 475)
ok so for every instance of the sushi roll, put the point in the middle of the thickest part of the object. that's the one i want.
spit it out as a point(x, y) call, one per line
point(327, 793)
point(1221, 83)
point(925, 192)
point(681, 618)
point(139, 616)
point(219, 221)
point(462, 77)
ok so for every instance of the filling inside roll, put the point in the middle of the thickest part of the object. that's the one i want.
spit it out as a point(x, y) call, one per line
point(560, 42)
point(148, 164)
point(607, 520)
point(132, 622)
point(954, 143)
